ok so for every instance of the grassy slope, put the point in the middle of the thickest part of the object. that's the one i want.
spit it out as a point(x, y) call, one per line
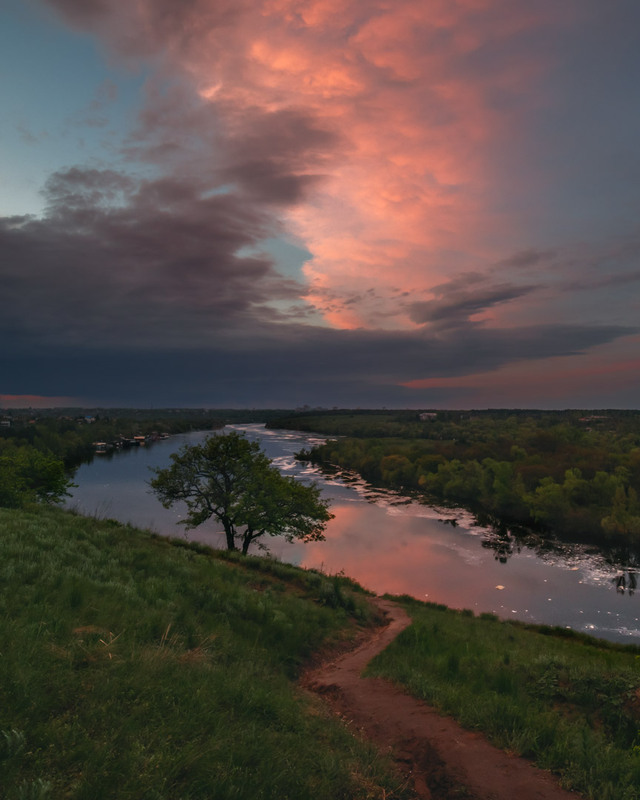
point(569, 702)
point(131, 667)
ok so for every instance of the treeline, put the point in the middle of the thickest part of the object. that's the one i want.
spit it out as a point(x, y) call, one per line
point(482, 426)
point(575, 474)
point(38, 455)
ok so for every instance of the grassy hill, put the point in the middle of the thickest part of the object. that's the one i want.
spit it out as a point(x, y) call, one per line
point(132, 666)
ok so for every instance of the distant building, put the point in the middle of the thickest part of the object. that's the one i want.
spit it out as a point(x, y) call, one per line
point(427, 416)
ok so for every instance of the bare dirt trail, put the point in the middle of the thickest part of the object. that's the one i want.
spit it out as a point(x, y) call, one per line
point(442, 760)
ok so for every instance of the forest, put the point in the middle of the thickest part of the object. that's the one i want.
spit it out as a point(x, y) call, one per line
point(574, 474)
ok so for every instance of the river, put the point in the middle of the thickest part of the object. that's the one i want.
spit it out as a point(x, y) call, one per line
point(391, 544)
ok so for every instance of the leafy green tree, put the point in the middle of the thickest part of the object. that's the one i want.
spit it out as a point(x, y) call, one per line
point(230, 479)
point(28, 475)
point(503, 489)
point(548, 504)
point(283, 506)
point(625, 514)
point(396, 470)
point(576, 488)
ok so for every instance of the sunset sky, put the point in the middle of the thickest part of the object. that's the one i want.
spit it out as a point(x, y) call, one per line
point(271, 203)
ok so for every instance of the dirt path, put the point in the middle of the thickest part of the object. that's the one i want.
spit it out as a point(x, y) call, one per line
point(443, 760)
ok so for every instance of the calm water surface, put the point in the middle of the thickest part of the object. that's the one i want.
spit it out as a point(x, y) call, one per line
point(393, 545)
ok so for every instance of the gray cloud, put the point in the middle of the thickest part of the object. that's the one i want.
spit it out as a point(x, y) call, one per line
point(463, 297)
point(286, 365)
point(117, 260)
point(528, 258)
point(272, 154)
point(579, 267)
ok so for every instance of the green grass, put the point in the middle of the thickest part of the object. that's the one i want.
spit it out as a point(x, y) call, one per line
point(568, 702)
point(135, 667)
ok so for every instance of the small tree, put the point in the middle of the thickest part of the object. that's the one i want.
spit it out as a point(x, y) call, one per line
point(230, 479)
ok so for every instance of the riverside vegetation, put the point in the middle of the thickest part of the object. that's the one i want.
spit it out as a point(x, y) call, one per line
point(38, 455)
point(230, 479)
point(574, 474)
point(39, 450)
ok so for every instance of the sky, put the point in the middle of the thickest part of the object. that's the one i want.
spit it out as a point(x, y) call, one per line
point(352, 203)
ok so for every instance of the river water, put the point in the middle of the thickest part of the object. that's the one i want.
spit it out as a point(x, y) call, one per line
point(391, 544)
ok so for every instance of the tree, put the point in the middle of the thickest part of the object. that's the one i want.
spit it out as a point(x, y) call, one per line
point(230, 479)
point(625, 514)
point(28, 475)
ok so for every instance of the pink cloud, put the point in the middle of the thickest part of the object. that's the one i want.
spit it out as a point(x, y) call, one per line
point(404, 193)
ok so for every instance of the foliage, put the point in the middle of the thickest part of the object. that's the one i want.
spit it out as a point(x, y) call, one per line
point(28, 475)
point(133, 666)
point(565, 700)
point(230, 479)
point(39, 451)
point(571, 473)
point(71, 439)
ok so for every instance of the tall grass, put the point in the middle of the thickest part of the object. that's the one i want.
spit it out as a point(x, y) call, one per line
point(133, 667)
point(568, 702)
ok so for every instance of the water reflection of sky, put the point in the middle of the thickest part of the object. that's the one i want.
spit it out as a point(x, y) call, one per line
point(393, 545)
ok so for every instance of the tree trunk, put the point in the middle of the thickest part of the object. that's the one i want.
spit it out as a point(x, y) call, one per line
point(247, 538)
point(230, 534)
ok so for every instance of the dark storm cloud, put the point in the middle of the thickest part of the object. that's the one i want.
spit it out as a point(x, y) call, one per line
point(75, 188)
point(464, 297)
point(273, 157)
point(122, 261)
point(286, 365)
point(385, 356)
